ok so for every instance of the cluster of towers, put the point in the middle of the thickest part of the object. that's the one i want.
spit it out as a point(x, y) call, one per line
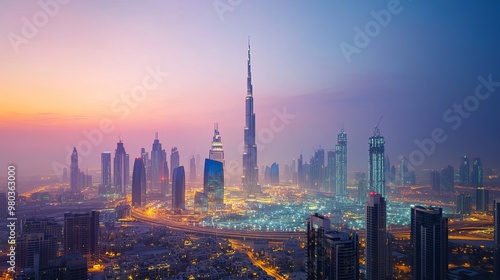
point(37, 246)
point(332, 177)
point(333, 252)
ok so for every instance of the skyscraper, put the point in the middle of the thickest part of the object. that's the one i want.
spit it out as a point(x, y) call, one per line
point(330, 172)
point(496, 245)
point(174, 160)
point(74, 172)
point(217, 151)
point(482, 199)
point(213, 182)
point(477, 173)
point(376, 238)
point(250, 176)
point(165, 178)
point(300, 172)
point(331, 254)
point(106, 186)
point(376, 173)
point(178, 188)
point(465, 172)
point(121, 169)
point(317, 170)
point(429, 240)
point(81, 234)
point(275, 173)
point(158, 157)
point(139, 183)
point(447, 178)
point(341, 165)
point(192, 169)
point(436, 180)
point(361, 183)
point(463, 204)
point(147, 163)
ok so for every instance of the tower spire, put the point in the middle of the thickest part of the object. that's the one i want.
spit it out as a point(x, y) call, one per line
point(249, 76)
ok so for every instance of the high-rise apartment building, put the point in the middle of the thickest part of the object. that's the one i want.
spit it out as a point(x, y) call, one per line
point(377, 255)
point(121, 169)
point(179, 188)
point(139, 183)
point(341, 165)
point(376, 170)
point(331, 254)
point(81, 234)
point(429, 240)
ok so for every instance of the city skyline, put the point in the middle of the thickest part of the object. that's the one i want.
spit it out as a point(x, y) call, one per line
point(319, 81)
point(88, 87)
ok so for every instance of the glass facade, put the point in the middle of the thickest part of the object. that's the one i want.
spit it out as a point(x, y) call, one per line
point(139, 184)
point(213, 181)
point(178, 188)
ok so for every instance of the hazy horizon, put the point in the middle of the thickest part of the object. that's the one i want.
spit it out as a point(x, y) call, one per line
point(80, 68)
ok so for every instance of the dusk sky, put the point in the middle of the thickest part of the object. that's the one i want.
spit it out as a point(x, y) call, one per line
point(67, 68)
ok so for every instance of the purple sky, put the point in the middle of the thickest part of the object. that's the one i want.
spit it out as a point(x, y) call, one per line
point(69, 73)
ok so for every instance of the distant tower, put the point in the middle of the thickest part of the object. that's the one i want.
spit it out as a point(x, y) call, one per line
point(213, 182)
point(174, 160)
point(463, 204)
point(465, 172)
point(192, 169)
point(317, 170)
point(178, 188)
point(429, 240)
point(139, 183)
point(81, 234)
point(121, 169)
point(376, 171)
point(447, 178)
point(300, 172)
point(106, 187)
point(74, 172)
point(330, 172)
point(477, 173)
point(165, 178)
point(217, 151)
point(158, 157)
point(250, 170)
point(275, 173)
point(436, 180)
point(341, 165)
point(482, 199)
point(376, 238)
point(147, 163)
point(331, 254)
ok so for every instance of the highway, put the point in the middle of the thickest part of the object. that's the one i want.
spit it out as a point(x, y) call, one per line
point(457, 230)
point(223, 233)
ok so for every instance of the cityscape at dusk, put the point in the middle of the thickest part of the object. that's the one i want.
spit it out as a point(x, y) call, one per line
point(232, 139)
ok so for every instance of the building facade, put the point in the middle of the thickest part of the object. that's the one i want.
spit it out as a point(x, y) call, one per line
point(179, 189)
point(376, 249)
point(376, 170)
point(429, 240)
point(139, 183)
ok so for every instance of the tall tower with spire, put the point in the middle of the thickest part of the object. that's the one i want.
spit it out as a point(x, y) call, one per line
point(217, 151)
point(376, 173)
point(74, 172)
point(250, 175)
